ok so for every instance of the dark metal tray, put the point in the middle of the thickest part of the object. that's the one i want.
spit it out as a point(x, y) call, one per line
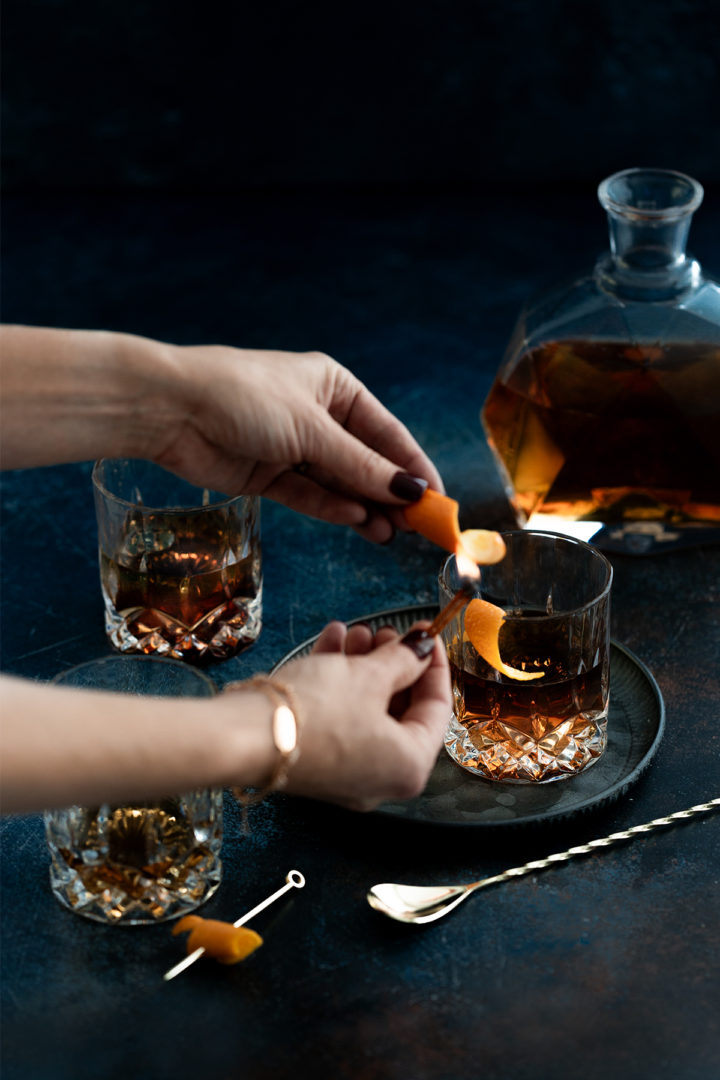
point(454, 796)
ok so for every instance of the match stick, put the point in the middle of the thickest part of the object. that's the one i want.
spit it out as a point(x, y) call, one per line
point(461, 598)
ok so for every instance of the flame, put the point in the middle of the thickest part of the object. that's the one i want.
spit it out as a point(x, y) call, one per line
point(467, 568)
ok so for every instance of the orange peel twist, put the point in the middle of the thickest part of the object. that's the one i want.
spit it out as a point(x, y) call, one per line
point(483, 621)
point(436, 517)
point(222, 941)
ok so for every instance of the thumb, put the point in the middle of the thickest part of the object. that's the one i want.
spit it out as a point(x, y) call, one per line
point(405, 659)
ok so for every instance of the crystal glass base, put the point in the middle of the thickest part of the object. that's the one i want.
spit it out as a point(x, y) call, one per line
point(221, 634)
point(137, 864)
point(497, 751)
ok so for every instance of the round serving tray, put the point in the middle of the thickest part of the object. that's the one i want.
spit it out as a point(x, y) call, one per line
point(453, 796)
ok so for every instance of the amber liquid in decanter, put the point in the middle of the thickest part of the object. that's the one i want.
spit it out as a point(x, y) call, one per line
point(604, 417)
point(609, 431)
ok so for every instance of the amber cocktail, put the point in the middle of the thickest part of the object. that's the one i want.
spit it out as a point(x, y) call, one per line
point(180, 567)
point(555, 592)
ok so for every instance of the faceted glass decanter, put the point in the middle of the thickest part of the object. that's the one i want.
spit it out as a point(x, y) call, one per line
point(605, 414)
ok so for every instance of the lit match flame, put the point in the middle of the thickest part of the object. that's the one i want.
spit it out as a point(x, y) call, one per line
point(465, 566)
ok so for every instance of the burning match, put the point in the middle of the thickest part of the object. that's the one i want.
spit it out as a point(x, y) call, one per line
point(422, 642)
point(461, 598)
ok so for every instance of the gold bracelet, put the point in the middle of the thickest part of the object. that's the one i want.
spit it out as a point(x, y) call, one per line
point(285, 734)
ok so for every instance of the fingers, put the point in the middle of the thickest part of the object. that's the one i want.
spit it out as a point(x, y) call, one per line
point(363, 465)
point(399, 666)
point(304, 494)
point(361, 468)
point(356, 640)
point(360, 640)
point(430, 704)
point(370, 422)
point(378, 529)
point(308, 496)
point(432, 686)
point(423, 721)
point(422, 711)
point(371, 751)
point(384, 634)
point(331, 639)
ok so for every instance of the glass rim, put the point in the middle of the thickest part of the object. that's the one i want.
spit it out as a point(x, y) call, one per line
point(572, 540)
point(102, 489)
point(136, 658)
point(671, 212)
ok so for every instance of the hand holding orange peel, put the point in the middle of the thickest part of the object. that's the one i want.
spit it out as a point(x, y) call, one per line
point(436, 517)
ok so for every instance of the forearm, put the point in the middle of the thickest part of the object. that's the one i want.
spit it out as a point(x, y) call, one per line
point(75, 395)
point(62, 746)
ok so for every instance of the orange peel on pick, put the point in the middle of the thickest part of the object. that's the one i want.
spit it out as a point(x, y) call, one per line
point(482, 626)
point(436, 517)
point(222, 941)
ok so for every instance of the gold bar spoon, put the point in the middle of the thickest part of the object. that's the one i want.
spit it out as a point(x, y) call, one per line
point(424, 904)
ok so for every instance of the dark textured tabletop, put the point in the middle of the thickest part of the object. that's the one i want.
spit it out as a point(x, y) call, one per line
point(604, 967)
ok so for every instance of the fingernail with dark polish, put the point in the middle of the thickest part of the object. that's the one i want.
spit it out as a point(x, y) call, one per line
point(405, 486)
point(421, 643)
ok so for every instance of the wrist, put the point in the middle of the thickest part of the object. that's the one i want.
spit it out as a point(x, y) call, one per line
point(244, 751)
point(284, 730)
point(151, 381)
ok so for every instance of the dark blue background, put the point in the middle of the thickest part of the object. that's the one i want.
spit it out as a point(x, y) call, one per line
point(100, 95)
point(386, 183)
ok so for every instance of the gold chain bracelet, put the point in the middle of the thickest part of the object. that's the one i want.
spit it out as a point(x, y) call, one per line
point(285, 735)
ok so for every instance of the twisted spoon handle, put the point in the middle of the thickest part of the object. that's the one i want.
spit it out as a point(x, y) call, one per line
point(605, 841)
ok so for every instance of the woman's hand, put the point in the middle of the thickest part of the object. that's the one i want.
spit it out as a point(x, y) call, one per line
point(374, 716)
point(296, 427)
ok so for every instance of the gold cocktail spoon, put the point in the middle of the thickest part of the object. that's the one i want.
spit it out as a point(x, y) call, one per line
point(425, 904)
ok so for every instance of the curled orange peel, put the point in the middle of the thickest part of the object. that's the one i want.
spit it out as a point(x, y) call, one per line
point(222, 941)
point(482, 626)
point(436, 517)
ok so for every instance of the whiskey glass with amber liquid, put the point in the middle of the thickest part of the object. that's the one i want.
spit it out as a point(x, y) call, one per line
point(604, 415)
point(180, 567)
point(555, 592)
point(143, 861)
